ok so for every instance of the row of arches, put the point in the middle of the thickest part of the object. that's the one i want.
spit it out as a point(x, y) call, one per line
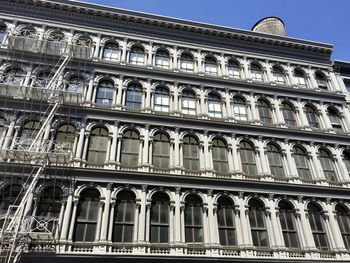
point(301, 161)
point(197, 215)
point(111, 49)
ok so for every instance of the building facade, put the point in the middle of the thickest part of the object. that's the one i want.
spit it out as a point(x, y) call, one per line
point(174, 139)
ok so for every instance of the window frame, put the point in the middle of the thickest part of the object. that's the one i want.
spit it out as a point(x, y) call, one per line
point(162, 94)
point(133, 92)
point(239, 108)
point(112, 50)
point(214, 106)
point(248, 162)
point(162, 59)
point(137, 56)
point(275, 159)
point(104, 93)
point(130, 157)
point(191, 155)
point(98, 136)
point(188, 97)
point(220, 156)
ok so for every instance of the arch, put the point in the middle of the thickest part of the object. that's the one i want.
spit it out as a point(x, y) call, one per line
point(325, 157)
point(10, 194)
point(288, 224)
point(160, 214)
point(104, 92)
point(42, 78)
point(188, 102)
point(248, 160)
point(50, 203)
point(312, 115)
point(318, 228)
point(161, 151)
point(28, 132)
point(335, 118)
point(346, 158)
point(257, 222)
point(234, 68)
point(210, 65)
point(187, 62)
point(3, 29)
point(137, 55)
point(191, 153)
point(27, 31)
point(343, 219)
point(161, 99)
point(278, 75)
point(274, 155)
point(264, 110)
point(83, 40)
point(75, 82)
point(256, 72)
point(110, 51)
point(97, 148)
point(133, 96)
point(321, 80)
point(226, 221)
point(214, 105)
point(288, 112)
point(300, 156)
point(123, 222)
point(239, 108)
point(87, 216)
point(13, 75)
point(299, 76)
point(193, 219)
point(130, 148)
point(65, 137)
point(220, 155)
point(162, 58)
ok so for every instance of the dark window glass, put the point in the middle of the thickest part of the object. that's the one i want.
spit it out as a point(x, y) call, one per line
point(289, 230)
point(14, 76)
point(130, 149)
point(65, 138)
point(312, 117)
point(346, 159)
point(321, 81)
point(133, 97)
point(258, 224)
point(137, 56)
point(162, 59)
point(159, 232)
point(186, 63)
point(10, 195)
point(278, 75)
point(248, 158)
point(2, 128)
point(335, 119)
point(226, 222)
point(327, 165)
point(210, 66)
point(110, 52)
point(42, 80)
point(86, 220)
point(193, 220)
point(2, 33)
point(104, 92)
point(275, 160)
point(239, 109)
point(264, 112)
point(220, 158)
point(256, 72)
point(97, 146)
point(343, 218)
point(288, 114)
point(317, 227)
point(234, 70)
point(28, 133)
point(302, 163)
point(124, 211)
point(191, 154)
point(161, 151)
point(300, 78)
point(214, 106)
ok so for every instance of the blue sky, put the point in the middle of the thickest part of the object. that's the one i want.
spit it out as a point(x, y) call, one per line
point(317, 20)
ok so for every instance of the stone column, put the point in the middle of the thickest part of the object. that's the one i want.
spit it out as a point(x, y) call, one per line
point(309, 241)
point(73, 218)
point(334, 227)
point(301, 113)
point(213, 222)
point(206, 226)
point(67, 217)
point(8, 135)
point(79, 152)
point(316, 164)
point(142, 219)
point(325, 118)
point(177, 227)
point(293, 171)
point(120, 81)
point(253, 108)
point(245, 225)
point(99, 218)
point(278, 113)
point(245, 63)
point(105, 218)
point(124, 43)
point(146, 147)
point(275, 226)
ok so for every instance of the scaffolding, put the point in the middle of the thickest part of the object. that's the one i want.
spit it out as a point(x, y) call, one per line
point(29, 158)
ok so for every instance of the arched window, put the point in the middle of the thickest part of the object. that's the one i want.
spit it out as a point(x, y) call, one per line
point(188, 102)
point(226, 222)
point(233, 69)
point(2, 33)
point(278, 75)
point(160, 219)
point(186, 63)
point(161, 99)
point(312, 116)
point(343, 218)
point(214, 106)
point(65, 138)
point(256, 72)
point(56, 36)
point(275, 160)
point(335, 119)
point(97, 147)
point(84, 41)
point(321, 80)
point(327, 165)
point(210, 66)
point(123, 223)
point(191, 154)
point(130, 149)
point(55, 43)
point(83, 47)
point(288, 114)
point(110, 52)
point(264, 111)
point(137, 56)
point(42, 80)
point(50, 206)
point(302, 163)
point(28, 32)
point(288, 225)
point(248, 158)
point(299, 77)
point(14, 76)
point(87, 216)
point(346, 159)
point(317, 227)
point(162, 59)
point(193, 220)
point(28, 133)
point(133, 97)
point(9, 196)
point(239, 109)
point(161, 151)
point(75, 84)
point(104, 92)
point(26, 39)
point(220, 158)
point(2, 127)
point(258, 224)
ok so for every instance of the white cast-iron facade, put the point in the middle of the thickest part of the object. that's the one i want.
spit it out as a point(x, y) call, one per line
point(182, 140)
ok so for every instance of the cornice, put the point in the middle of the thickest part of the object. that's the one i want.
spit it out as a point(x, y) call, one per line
point(148, 24)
